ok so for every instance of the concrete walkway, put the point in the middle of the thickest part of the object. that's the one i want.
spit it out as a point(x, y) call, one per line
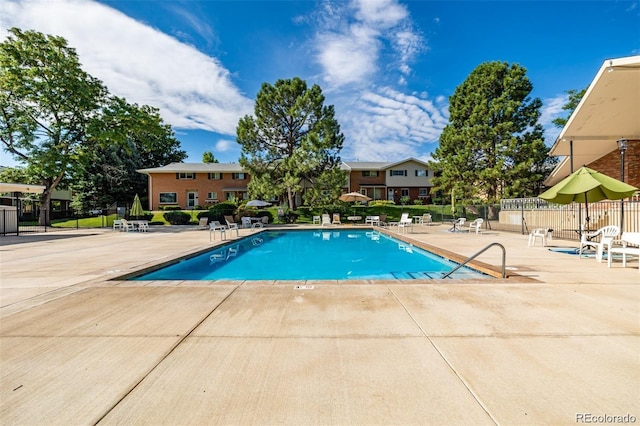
point(553, 346)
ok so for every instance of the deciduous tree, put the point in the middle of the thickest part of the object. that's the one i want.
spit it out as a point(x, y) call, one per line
point(292, 139)
point(47, 104)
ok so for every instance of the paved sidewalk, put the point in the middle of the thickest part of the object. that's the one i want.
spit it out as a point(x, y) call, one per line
point(76, 347)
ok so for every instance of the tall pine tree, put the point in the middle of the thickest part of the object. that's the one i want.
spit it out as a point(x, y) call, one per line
point(493, 146)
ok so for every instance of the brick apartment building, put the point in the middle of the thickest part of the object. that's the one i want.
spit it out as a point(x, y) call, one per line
point(198, 184)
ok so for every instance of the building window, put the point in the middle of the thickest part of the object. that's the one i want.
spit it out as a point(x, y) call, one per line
point(216, 176)
point(423, 192)
point(168, 197)
point(239, 176)
point(212, 195)
point(363, 191)
point(370, 173)
point(422, 173)
point(185, 175)
point(397, 172)
point(404, 192)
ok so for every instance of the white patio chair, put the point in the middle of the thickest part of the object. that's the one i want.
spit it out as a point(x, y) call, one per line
point(216, 226)
point(476, 225)
point(232, 225)
point(542, 233)
point(127, 226)
point(606, 234)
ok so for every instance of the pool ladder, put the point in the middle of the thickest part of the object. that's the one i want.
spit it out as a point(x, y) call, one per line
point(504, 257)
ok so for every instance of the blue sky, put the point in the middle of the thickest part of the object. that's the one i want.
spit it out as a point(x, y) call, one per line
point(387, 66)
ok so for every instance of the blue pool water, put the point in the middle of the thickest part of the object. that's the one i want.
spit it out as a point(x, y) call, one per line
point(313, 255)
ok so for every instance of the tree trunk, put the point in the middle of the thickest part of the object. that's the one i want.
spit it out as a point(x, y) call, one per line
point(290, 199)
point(44, 219)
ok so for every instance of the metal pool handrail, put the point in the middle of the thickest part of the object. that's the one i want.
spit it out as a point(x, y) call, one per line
point(504, 257)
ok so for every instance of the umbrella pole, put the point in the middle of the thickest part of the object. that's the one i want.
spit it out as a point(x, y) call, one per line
point(586, 209)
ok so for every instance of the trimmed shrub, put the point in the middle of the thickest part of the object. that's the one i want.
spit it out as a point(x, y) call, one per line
point(381, 203)
point(177, 217)
point(170, 208)
point(220, 210)
point(417, 202)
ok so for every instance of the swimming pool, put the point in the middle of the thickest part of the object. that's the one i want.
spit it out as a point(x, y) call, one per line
point(313, 255)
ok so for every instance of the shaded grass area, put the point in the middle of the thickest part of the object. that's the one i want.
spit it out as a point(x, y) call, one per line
point(305, 215)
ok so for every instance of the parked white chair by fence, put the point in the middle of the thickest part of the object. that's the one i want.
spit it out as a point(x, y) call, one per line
point(542, 233)
point(476, 225)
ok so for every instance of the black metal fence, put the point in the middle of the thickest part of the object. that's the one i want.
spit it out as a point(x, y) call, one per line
point(568, 220)
point(13, 223)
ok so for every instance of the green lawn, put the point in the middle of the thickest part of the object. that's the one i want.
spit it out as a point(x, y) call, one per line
point(306, 214)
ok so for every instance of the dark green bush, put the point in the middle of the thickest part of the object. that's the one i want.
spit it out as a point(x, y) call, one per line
point(220, 210)
point(177, 218)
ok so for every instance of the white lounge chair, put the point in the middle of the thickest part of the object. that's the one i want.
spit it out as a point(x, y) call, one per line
point(203, 222)
point(316, 220)
point(336, 219)
point(326, 220)
point(117, 224)
point(426, 219)
point(372, 220)
point(543, 233)
point(628, 240)
point(606, 234)
point(476, 225)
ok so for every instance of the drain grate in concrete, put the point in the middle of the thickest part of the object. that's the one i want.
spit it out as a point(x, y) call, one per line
point(303, 287)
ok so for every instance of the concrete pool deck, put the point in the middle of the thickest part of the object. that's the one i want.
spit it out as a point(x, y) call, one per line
point(76, 347)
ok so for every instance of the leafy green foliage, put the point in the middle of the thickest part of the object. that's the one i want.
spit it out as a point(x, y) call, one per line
point(575, 96)
point(47, 105)
point(293, 138)
point(493, 145)
point(208, 158)
point(220, 210)
point(63, 125)
point(108, 172)
point(177, 217)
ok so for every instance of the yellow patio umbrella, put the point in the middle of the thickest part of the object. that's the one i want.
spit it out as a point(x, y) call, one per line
point(587, 185)
point(136, 207)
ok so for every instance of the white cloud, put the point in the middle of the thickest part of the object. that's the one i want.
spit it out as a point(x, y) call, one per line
point(224, 145)
point(387, 125)
point(552, 109)
point(352, 38)
point(135, 61)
